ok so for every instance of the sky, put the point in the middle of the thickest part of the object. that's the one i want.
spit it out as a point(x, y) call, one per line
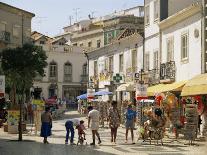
point(52, 15)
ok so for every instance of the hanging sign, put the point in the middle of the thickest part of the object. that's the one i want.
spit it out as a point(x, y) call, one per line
point(141, 91)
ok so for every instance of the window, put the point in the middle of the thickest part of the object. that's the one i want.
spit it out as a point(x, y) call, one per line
point(81, 44)
point(111, 64)
point(75, 44)
point(68, 72)
point(155, 60)
point(184, 46)
point(146, 66)
point(95, 67)
point(121, 63)
point(147, 15)
point(109, 37)
point(156, 10)
point(53, 69)
point(85, 69)
point(16, 31)
point(170, 49)
point(2, 26)
point(98, 43)
point(90, 44)
point(134, 59)
point(42, 42)
point(106, 64)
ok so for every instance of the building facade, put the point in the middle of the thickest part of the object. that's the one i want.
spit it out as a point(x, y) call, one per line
point(181, 44)
point(66, 75)
point(157, 40)
point(15, 26)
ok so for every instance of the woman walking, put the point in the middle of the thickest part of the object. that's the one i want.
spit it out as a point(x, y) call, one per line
point(46, 119)
point(114, 120)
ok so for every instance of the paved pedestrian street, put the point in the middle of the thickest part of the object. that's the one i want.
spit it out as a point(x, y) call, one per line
point(32, 144)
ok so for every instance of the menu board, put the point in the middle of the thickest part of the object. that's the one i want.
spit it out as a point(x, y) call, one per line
point(191, 122)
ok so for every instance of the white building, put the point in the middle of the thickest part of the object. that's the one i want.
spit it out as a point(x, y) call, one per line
point(66, 74)
point(181, 43)
point(155, 12)
point(122, 58)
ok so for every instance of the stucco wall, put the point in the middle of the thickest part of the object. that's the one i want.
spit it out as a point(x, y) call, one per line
point(185, 71)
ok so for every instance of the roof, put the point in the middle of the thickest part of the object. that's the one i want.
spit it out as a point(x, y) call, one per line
point(181, 15)
point(14, 9)
point(57, 39)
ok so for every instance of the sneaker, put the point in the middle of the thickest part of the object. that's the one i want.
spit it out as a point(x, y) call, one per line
point(66, 143)
point(92, 143)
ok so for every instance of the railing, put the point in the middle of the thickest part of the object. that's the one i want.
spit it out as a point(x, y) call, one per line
point(167, 71)
point(154, 76)
point(68, 78)
point(5, 36)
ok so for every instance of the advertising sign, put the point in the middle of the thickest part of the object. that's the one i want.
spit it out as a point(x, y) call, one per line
point(141, 91)
point(13, 117)
point(90, 93)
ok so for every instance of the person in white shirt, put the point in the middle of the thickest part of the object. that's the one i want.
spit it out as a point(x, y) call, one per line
point(93, 118)
point(69, 128)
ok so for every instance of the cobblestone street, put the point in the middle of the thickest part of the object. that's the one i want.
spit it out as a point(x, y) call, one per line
point(32, 145)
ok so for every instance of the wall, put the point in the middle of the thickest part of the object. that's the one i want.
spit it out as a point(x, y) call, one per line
point(177, 5)
point(13, 19)
point(193, 67)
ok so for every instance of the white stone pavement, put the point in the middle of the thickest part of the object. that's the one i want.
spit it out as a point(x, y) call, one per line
point(32, 144)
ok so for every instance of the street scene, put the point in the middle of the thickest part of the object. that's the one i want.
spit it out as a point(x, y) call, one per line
point(103, 77)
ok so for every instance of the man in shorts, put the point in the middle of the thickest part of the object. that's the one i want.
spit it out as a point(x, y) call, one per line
point(93, 118)
point(130, 122)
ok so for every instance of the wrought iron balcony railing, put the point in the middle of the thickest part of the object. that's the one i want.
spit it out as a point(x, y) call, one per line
point(5, 36)
point(167, 71)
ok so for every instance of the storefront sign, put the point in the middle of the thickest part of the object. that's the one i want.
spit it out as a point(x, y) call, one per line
point(90, 93)
point(141, 91)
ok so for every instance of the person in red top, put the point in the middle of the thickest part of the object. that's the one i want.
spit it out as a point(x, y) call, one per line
point(81, 129)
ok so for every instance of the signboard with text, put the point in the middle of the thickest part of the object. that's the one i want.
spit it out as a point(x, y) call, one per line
point(141, 91)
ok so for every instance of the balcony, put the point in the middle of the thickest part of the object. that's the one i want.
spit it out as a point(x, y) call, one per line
point(154, 77)
point(167, 72)
point(5, 36)
point(84, 78)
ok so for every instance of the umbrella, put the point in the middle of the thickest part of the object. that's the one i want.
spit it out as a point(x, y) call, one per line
point(82, 97)
point(101, 93)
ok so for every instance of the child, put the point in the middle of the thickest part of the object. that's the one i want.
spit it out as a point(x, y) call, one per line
point(81, 129)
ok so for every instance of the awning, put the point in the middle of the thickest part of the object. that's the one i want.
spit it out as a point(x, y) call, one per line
point(195, 86)
point(128, 87)
point(160, 88)
point(151, 91)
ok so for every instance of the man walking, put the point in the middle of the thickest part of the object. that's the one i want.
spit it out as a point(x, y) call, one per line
point(70, 129)
point(93, 118)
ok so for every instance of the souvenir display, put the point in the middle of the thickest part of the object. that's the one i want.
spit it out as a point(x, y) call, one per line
point(191, 122)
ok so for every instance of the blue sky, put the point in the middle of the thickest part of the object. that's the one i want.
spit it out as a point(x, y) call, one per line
point(53, 15)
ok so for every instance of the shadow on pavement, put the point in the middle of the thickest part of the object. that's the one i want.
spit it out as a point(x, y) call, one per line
point(37, 148)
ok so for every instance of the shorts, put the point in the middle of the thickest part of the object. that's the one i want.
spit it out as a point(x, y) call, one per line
point(94, 125)
point(129, 124)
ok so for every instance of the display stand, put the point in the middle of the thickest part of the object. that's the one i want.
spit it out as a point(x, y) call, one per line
point(191, 123)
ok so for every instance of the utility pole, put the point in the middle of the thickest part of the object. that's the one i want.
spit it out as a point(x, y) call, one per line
point(70, 20)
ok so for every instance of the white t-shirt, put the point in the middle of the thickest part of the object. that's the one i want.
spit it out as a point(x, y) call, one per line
point(94, 115)
point(75, 121)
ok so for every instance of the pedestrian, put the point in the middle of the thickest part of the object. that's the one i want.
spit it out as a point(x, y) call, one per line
point(93, 118)
point(130, 116)
point(114, 120)
point(81, 129)
point(70, 129)
point(46, 119)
